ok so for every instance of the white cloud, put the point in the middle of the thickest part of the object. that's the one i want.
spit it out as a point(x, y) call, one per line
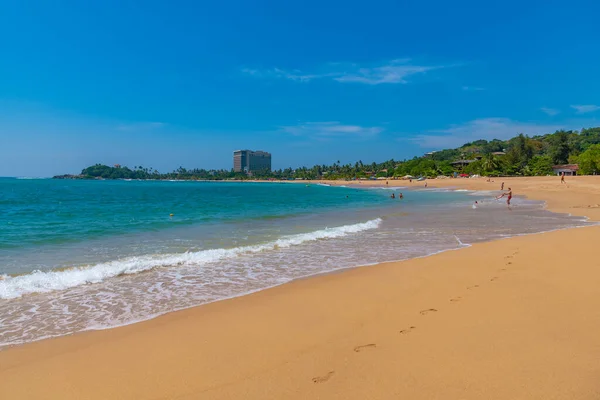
point(331, 129)
point(395, 71)
point(485, 128)
point(550, 111)
point(278, 73)
point(472, 89)
point(250, 71)
point(582, 109)
point(140, 126)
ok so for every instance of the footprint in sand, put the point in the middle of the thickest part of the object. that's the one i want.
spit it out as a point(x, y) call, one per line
point(508, 257)
point(502, 269)
point(472, 287)
point(494, 278)
point(425, 312)
point(409, 330)
point(324, 378)
point(454, 299)
point(365, 346)
point(509, 263)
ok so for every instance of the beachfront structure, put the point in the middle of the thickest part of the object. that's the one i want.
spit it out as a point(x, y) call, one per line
point(568, 169)
point(251, 161)
point(462, 163)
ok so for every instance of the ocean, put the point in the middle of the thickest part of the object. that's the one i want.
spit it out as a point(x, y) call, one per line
point(82, 255)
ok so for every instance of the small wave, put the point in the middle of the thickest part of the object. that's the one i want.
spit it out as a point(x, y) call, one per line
point(460, 242)
point(483, 192)
point(387, 188)
point(40, 282)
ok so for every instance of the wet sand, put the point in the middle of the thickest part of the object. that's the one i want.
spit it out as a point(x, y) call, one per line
point(511, 319)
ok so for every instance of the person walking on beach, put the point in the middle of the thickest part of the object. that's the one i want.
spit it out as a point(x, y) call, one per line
point(562, 177)
point(502, 186)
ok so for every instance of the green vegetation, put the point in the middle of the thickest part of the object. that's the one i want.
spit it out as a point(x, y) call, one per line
point(589, 160)
point(519, 156)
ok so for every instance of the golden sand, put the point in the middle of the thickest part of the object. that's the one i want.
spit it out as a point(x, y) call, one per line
point(511, 319)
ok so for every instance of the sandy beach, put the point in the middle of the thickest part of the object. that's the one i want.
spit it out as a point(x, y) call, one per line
point(510, 319)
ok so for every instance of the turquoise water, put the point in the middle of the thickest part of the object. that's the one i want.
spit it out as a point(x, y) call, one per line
point(80, 255)
point(37, 212)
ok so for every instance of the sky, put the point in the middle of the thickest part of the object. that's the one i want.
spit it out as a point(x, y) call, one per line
point(185, 83)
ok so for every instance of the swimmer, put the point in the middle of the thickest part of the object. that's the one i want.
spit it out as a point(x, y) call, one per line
point(393, 196)
point(400, 196)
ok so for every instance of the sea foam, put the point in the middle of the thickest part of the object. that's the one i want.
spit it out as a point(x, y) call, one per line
point(46, 281)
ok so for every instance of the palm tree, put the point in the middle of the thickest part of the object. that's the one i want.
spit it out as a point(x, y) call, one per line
point(490, 163)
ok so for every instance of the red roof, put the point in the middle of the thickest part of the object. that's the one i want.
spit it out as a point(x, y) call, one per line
point(570, 167)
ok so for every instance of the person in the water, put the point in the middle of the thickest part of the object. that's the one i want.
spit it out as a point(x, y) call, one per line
point(509, 194)
point(393, 196)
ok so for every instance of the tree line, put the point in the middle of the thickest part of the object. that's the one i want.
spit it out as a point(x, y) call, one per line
point(519, 156)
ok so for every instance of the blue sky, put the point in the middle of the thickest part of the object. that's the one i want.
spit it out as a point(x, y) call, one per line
point(164, 84)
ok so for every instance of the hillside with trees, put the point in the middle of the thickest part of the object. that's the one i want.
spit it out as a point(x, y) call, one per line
point(519, 156)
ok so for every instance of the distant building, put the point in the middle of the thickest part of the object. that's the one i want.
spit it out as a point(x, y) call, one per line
point(251, 161)
point(568, 169)
point(462, 163)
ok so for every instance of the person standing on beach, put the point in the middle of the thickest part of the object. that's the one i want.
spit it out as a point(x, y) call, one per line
point(502, 187)
point(562, 177)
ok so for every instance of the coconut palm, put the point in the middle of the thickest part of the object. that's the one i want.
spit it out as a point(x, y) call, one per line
point(490, 163)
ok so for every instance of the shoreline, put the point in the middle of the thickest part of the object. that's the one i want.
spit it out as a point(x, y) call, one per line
point(4, 347)
point(370, 185)
point(27, 362)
